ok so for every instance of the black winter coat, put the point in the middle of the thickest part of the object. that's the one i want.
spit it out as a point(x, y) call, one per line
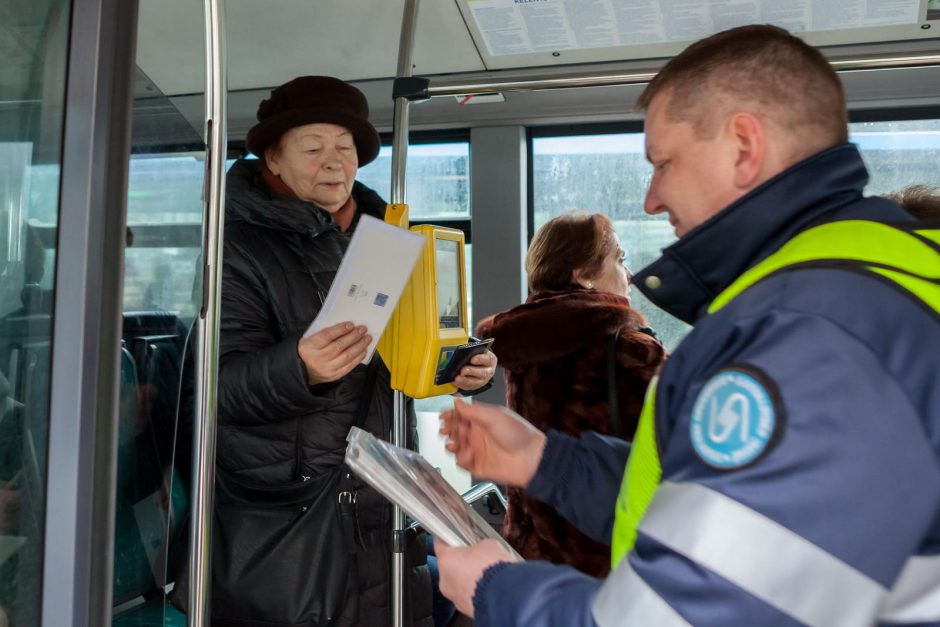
point(280, 257)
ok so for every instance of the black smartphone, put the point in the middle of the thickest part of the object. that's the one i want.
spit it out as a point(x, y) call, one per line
point(453, 358)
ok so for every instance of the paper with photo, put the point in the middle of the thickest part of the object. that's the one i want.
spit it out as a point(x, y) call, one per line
point(406, 478)
point(370, 279)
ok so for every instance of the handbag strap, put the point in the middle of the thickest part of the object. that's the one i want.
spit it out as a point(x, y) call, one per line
point(347, 485)
point(362, 411)
point(613, 401)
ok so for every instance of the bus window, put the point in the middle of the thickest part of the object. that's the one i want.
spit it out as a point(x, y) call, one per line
point(606, 173)
point(898, 153)
point(164, 217)
point(437, 179)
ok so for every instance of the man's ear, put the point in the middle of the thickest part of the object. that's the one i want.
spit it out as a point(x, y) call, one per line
point(750, 140)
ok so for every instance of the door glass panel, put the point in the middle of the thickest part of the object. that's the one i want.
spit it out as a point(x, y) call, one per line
point(34, 41)
point(161, 292)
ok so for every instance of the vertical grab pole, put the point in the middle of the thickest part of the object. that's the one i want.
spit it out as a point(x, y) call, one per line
point(399, 158)
point(207, 356)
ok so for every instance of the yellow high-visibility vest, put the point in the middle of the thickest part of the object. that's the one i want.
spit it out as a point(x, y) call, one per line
point(908, 257)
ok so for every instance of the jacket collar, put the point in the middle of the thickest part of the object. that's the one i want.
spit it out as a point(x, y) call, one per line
point(694, 270)
point(550, 325)
point(248, 199)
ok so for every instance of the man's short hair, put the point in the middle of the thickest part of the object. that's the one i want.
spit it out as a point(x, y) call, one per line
point(761, 69)
point(921, 201)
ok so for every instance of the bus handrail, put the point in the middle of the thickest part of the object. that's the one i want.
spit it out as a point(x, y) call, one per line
point(566, 80)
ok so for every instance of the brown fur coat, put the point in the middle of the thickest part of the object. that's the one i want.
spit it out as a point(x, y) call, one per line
point(554, 349)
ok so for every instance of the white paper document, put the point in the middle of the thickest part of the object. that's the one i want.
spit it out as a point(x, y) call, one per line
point(406, 478)
point(370, 279)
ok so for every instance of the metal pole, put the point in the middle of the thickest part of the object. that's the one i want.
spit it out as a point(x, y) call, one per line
point(207, 357)
point(400, 123)
point(399, 159)
point(485, 85)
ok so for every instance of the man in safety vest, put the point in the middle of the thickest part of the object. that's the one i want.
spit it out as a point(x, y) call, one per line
point(786, 469)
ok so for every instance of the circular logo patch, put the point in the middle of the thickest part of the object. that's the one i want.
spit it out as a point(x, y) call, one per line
point(733, 420)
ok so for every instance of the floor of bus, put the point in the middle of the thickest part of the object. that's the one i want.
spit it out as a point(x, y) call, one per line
point(150, 615)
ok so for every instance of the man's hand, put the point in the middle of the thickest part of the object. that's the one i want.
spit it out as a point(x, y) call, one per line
point(331, 353)
point(493, 442)
point(461, 569)
point(481, 369)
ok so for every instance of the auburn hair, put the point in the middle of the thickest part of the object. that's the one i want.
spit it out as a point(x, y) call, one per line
point(569, 242)
point(921, 201)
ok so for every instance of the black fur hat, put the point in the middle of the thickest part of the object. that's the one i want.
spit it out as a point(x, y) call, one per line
point(312, 100)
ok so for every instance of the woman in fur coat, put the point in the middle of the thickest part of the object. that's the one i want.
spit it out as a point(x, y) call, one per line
point(556, 349)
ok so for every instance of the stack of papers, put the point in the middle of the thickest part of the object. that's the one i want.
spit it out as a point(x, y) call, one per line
point(370, 279)
point(406, 478)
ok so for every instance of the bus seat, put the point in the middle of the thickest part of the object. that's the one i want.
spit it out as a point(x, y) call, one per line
point(158, 359)
point(152, 499)
point(141, 323)
point(145, 516)
point(138, 479)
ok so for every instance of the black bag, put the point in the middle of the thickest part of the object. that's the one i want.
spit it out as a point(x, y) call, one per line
point(284, 555)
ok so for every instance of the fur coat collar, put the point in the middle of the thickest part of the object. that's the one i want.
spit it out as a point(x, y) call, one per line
point(551, 325)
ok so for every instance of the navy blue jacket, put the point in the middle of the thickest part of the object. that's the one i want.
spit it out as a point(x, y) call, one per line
point(849, 483)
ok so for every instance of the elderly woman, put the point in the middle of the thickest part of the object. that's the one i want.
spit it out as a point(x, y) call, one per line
point(600, 353)
point(286, 402)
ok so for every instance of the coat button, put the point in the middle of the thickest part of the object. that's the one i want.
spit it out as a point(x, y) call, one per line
point(653, 282)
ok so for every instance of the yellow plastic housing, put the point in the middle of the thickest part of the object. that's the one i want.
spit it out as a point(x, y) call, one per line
point(414, 344)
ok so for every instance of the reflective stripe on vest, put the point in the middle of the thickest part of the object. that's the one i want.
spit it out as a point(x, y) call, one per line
point(910, 261)
point(915, 597)
point(642, 476)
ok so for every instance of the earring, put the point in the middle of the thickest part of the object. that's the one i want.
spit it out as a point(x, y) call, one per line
point(590, 285)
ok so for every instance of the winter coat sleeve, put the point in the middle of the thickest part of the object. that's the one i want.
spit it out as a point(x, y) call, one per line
point(580, 478)
point(534, 593)
point(261, 377)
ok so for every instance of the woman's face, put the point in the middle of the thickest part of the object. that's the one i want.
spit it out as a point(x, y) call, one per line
point(614, 276)
point(318, 162)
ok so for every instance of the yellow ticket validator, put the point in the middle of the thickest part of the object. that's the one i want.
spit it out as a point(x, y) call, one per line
point(430, 322)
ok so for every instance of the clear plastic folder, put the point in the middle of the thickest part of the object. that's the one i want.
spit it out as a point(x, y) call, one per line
point(406, 478)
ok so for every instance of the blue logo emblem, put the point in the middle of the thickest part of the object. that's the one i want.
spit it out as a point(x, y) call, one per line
point(733, 420)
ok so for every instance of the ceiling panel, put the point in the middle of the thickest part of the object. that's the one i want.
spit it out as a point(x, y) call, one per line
point(271, 41)
point(518, 33)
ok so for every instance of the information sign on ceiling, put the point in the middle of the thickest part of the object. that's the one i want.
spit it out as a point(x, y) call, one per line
point(586, 30)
